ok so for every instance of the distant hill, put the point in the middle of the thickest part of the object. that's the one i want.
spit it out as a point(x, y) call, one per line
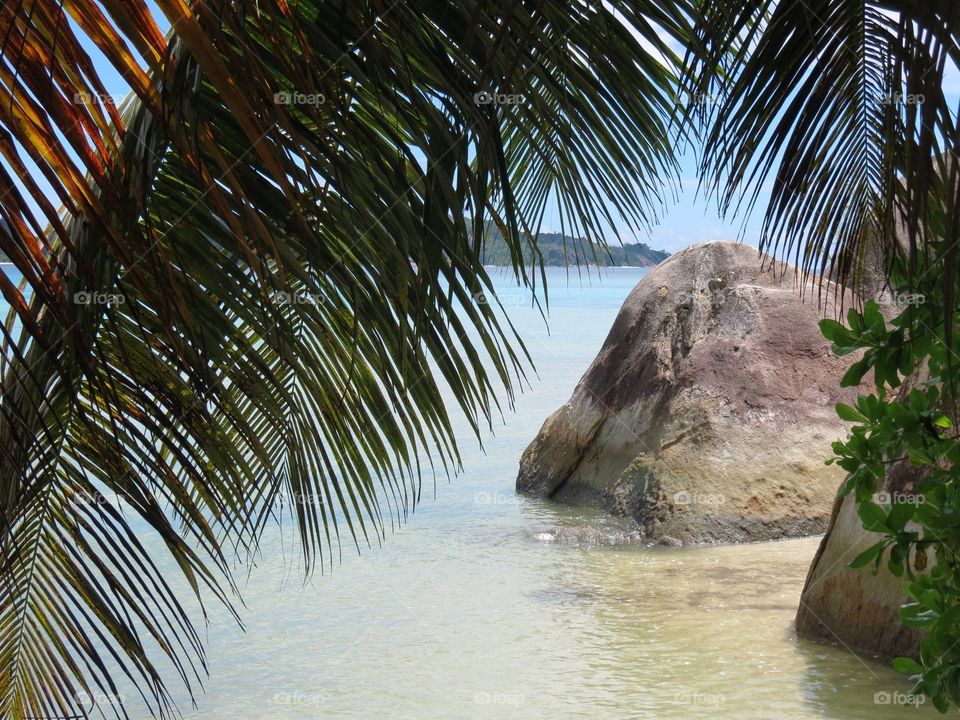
point(578, 251)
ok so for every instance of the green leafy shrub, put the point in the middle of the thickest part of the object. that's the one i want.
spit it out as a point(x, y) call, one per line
point(911, 417)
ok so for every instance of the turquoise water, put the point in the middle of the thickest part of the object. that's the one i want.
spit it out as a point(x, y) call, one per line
point(475, 609)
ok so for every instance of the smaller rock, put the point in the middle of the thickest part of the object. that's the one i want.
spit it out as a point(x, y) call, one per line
point(856, 607)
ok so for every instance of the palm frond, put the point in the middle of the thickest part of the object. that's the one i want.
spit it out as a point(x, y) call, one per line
point(839, 108)
point(254, 275)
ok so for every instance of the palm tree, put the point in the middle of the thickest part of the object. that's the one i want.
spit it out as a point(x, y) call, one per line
point(244, 283)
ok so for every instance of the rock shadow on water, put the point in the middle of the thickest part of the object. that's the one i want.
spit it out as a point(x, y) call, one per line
point(842, 684)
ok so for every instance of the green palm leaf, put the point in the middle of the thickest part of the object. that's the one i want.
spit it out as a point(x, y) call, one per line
point(285, 217)
point(839, 106)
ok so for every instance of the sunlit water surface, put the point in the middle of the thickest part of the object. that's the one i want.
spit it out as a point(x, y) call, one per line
point(475, 608)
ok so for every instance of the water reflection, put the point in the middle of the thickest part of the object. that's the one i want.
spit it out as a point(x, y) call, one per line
point(486, 605)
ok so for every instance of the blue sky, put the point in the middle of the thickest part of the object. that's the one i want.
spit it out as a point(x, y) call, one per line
point(689, 220)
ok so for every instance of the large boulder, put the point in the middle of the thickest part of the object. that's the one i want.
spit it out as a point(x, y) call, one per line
point(709, 412)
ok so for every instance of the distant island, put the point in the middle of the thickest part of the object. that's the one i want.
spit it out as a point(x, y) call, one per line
point(578, 251)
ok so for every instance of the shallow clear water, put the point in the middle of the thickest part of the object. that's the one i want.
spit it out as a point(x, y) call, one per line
point(476, 608)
